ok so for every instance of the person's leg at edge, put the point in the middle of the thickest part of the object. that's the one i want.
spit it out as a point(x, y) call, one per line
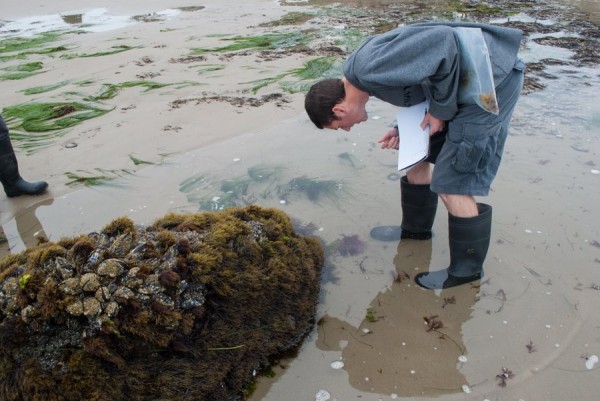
point(13, 183)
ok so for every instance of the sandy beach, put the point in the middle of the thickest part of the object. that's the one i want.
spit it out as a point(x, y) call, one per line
point(171, 147)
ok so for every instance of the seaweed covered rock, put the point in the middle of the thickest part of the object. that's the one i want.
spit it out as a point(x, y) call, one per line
point(189, 308)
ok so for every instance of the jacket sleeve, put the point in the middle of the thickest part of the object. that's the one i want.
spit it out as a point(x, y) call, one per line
point(410, 56)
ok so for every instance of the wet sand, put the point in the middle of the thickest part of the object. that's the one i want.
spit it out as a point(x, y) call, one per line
point(535, 312)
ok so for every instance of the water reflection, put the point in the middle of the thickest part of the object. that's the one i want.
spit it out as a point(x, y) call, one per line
point(410, 342)
point(24, 230)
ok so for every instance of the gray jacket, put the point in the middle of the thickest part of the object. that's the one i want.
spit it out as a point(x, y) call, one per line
point(411, 63)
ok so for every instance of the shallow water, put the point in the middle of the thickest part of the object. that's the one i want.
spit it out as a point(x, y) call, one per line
point(540, 289)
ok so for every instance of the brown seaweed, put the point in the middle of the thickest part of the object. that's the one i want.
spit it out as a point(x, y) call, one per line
point(195, 304)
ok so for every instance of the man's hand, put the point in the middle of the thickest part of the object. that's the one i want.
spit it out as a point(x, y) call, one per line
point(435, 124)
point(390, 140)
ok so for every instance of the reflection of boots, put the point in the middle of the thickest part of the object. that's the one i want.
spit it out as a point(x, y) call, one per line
point(469, 239)
point(419, 205)
point(399, 345)
point(13, 184)
point(411, 256)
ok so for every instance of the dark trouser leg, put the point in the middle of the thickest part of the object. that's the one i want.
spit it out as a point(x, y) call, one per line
point(419, 206)
point(469, 239)
point(12, 182)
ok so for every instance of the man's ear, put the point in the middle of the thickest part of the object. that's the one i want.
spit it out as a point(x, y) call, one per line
point(339, 110)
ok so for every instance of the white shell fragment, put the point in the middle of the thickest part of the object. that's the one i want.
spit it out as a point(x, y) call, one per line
point(591, 361)
point(462, 359)
point(337, 364)
point(322, 395)
point(466, 389)
point(595, 171)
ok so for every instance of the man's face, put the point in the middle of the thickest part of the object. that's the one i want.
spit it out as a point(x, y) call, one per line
point(348, 114)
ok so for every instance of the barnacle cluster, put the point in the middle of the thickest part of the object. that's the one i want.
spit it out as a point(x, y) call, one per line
point(139, 304)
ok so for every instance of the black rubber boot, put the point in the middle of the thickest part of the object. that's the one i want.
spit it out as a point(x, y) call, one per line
point(12, 182)
point(419, 205)
point(469, 239)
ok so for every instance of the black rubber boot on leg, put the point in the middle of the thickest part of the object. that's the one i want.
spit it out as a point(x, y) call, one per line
point(12, 182)
point(419, 205)
point(469, 239)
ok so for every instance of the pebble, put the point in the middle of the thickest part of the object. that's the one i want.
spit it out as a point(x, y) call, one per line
point(591, 361)
point(595, 171)
point(337, 364)
point(322, 395)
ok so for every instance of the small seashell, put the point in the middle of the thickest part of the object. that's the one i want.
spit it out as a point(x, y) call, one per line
point(111, 309)
point(595, 171)
point(75, 308)
point(151, 285)
point(63, 267)
point(110, 268)
point(94, 258)
point(89, 282)
point(337, 364)
point(466, 389)
point(70, 145)
point(91, 307)
point(322, 395)
point(591, 361)
point(462, 359)
point(102, 295)
point(122, 294)
point(71, 286)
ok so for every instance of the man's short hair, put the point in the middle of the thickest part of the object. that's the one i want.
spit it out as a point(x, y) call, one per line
point(320, 100)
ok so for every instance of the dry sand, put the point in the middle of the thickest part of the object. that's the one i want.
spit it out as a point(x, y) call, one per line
point(542, 265)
